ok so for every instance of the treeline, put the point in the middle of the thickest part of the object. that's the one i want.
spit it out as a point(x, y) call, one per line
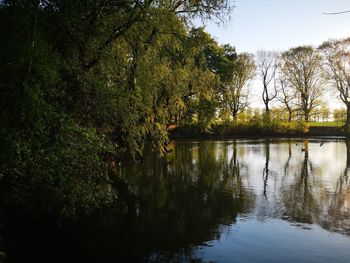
point(85, 82)
point(294, 86)
point(304, 79)
point(280, 114)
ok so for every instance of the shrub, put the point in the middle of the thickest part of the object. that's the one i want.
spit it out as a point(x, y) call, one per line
point(56, 181)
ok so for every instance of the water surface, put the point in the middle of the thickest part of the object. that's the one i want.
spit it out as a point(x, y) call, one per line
point(219, 201)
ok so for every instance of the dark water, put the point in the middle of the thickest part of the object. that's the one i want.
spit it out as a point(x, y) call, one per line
point(218, 201)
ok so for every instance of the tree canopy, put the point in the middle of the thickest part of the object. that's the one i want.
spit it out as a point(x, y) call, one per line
point(83, 81)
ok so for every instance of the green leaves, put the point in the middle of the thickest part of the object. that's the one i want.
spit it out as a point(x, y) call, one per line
point(83, 82)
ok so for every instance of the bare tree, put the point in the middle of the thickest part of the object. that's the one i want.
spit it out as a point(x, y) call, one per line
point(302, 67)
point(267, 64)
point(286, 94)
point(235, 91)
point(336, 65)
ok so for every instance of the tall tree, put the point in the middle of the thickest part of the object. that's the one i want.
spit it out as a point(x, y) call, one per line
point(336, 54)
point(286, 94)
point(267, 65)
point(235, 91)
point(198, 99)
point(76, 74)
point(302, 66)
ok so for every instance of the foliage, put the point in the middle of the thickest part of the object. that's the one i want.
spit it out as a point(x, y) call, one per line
point(339, 115)
point(83, 82)
point(254, 126)
point(336, 55)
point(235, 93)
point(62, 180)
point(302, 67)
point(261, 128)
point(325, 124)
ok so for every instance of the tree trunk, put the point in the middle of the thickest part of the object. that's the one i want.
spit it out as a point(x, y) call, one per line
point(347, 122)
point(266, 116)
point(267, 109)
point(347, 143)
point(234, 117)
point(289, 115)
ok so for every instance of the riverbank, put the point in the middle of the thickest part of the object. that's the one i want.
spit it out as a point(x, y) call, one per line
point(325, 131)
point(249, 130)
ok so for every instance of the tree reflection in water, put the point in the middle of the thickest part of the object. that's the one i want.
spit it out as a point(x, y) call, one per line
point(266, 168)
point(298, 199)
point(338, 218)
point(170, 207)
point(308, 199)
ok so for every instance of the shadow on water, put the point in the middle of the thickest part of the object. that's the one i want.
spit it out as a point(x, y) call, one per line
point(168, 208)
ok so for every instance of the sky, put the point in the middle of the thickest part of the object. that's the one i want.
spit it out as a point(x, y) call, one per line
point(282, 24)
point(279, 25)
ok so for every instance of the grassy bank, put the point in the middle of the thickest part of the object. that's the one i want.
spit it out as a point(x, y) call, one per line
point(326, 124)
point(261, 129)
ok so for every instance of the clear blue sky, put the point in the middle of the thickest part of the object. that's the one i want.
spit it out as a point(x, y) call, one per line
point(281, 24)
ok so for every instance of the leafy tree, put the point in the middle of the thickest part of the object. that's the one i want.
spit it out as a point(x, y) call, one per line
point(336, 54)
point(82, 81)
point(286, 94)
point(302, 66)
point(339, 115)
point(324, 113)
point(204, 81)
point(235, 91)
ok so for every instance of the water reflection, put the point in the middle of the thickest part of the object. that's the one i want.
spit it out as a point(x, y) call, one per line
point(207, 185)
point(308, 196)
point(185, 199)
point(171, 209)
point(339, 208)
point(298, 198)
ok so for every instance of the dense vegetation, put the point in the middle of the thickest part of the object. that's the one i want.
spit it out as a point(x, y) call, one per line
point(86, 82)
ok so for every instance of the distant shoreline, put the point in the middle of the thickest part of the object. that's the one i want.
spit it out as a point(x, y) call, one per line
point(318, 131)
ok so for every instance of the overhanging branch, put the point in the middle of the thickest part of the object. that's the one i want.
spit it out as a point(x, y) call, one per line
point(336, 13)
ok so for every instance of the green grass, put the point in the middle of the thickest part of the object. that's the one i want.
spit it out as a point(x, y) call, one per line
point(325, 124)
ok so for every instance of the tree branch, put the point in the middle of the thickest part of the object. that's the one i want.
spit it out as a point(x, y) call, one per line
point(336, 13)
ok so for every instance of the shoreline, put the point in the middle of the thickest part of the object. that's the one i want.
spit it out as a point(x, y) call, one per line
point(318, 131)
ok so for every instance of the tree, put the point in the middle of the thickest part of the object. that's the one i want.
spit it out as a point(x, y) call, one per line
point(235, 93)
point(267, 65)
point(286, 93)
point(336, 65)
point(199, 56)
point(82, 81)
point(339, 115)
point(302, 67)
point(325, 113)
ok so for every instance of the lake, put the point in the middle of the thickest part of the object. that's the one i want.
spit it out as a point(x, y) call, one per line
point(245, 200)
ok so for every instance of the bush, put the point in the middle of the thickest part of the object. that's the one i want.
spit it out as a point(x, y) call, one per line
point(254, 127)
point(56, 181)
